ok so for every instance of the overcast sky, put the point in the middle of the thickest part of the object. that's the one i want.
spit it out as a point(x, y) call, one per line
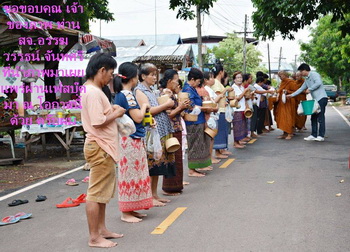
point(137, 17)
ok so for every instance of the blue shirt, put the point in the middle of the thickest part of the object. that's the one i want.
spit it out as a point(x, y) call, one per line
point(196, 100)
point(127, 100)
point(314, 83)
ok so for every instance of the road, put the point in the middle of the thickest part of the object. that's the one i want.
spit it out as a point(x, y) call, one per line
point(277, 195)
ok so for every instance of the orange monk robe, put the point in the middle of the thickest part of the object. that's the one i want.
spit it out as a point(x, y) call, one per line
point(300, 119)
point(286, 112)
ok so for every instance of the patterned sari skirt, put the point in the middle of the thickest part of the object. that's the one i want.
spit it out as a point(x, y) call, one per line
point(175, 184)
point(134, 184)
point(239, 126)
point(198, 146)
point(165, 165)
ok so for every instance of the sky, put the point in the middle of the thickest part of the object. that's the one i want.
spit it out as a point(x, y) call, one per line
point(147, 17)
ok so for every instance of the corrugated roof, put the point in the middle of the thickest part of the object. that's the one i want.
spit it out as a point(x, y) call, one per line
point(162, 39)
point(129, 42)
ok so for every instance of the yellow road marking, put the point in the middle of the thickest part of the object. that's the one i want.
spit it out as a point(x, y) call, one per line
point(227, 163)
point(169, 220)
point(252, 141)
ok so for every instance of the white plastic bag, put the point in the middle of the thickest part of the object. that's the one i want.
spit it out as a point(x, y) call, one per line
point(211, 123)
point(229, 114)
point(154, 145)
point(284, 98)
point(126, 126)
point(300, 110)
point(196, 110)
point(316, 109)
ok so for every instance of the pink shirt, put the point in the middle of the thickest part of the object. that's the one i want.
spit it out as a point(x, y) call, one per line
point(95, 108)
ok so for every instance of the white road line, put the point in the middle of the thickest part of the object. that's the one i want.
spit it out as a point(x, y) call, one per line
point(342, 116)
point(39, 183)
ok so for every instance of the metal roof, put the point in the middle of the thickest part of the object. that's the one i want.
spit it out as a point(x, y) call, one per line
point(162, 39)
point(129, 42)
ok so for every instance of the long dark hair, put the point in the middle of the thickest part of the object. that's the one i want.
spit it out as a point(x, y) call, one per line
point(126, 72)
point(168, 75)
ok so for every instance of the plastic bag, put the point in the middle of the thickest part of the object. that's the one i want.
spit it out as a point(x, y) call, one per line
point(229, 114)
point(316, 109)
point(300, 110)
point(211, 123)
point(126, 126)
point(154, 145)
point(284, 98)
point(196, 110)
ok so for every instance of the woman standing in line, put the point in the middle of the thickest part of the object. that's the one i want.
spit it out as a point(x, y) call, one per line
point(209, 81)
point(166, 164)
point(239, 120)
point(221, 139)
point(134, 184)
point(198, 141)
point(170, 83)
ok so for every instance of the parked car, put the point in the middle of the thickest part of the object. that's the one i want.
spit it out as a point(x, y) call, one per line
point(332, 91)
point(347, 102)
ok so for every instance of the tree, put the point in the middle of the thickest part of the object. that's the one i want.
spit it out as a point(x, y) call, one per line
point(287, 16)
point(231, 51)
point(185, 10)
point(328, 50)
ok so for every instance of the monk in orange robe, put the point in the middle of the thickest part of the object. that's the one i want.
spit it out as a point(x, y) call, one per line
point(299, 119)
point(286, 112)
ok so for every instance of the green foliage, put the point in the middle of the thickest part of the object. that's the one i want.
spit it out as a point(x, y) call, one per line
point(185, 10)
point(328, 50)
point(287, 16)
point(231, 51)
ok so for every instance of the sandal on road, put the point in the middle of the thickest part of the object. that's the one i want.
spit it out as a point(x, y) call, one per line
point(23, 215)
point(80, 199)
point(71, 182)
point(67, 203)
point(86, 179)
point(18, 202)
point(9, 220)
point(40, 198)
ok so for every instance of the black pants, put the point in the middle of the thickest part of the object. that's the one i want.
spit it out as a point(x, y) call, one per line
point(254, 119)
point(261, 120)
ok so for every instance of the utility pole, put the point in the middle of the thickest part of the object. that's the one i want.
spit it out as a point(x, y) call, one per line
point(155, 22)
point(295, 62)
point(199, 37)
point(279, 60)
point(244, 46)
point(268, 56)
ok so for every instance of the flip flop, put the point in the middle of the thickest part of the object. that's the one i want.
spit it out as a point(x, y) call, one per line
point(9, 220)
point(86, 179)
point(23, 215)
point(80, 199)
point(40, 198)
point(66, 204)
point(18, 202)
point(71, 182)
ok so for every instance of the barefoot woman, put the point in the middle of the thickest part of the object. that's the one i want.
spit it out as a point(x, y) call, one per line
point(134, 184)
point(198, 141)
point(166, 165)
point(170, 84)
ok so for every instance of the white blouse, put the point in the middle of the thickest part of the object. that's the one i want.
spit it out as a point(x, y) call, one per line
point(238, 91)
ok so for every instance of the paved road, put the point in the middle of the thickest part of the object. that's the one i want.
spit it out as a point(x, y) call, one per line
point(232, 209)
